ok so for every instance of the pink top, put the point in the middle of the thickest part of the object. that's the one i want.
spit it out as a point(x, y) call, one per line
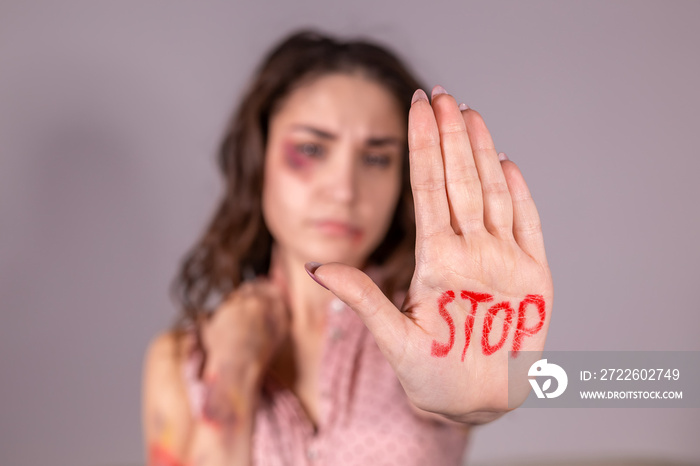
point(365, 415)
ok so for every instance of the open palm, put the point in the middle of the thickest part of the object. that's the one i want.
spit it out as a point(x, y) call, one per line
point(481, 288)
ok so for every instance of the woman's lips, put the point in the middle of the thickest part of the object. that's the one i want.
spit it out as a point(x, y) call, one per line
point(336, 228)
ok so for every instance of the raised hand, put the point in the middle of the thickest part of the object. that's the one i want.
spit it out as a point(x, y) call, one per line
point(481, 287)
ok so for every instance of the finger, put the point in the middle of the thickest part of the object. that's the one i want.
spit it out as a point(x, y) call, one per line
point(461, 175)
point(498, 206)
point(357, 290)
point(527, 228)
point(427, 171)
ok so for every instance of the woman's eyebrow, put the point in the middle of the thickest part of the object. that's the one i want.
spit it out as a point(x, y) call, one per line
point(318, 132)
point(371, 142)
point(386, 141)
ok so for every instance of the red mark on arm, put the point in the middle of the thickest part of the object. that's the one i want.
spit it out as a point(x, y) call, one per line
point(218, 411)
point(488, 325)
point(521, 331)
point(475, 298)
point(158, 455)
point(440, 350)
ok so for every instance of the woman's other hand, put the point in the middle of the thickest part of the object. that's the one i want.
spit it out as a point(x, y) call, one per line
point(240, 340)
point(482, 286)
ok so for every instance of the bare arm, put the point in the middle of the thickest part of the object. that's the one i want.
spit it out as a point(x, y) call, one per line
point(222, 434)
point(240, 340)
point(166, 418)
point(174, 436)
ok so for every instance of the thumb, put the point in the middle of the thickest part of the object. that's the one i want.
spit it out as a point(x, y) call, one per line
point(357, 290)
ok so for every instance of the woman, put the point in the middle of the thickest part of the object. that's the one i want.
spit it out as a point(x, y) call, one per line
point(317, 169)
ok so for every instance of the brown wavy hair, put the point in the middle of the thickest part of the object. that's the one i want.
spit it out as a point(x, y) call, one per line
point(236, 245)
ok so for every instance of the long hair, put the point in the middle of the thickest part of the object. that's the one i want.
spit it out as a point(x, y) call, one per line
point(237, 244)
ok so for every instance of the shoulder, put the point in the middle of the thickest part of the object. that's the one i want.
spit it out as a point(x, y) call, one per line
point(165, 410)
point(164, 362)
point(165, 356)
point(167, 347)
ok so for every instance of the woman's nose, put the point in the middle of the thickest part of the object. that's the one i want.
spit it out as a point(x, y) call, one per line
point(342, 182)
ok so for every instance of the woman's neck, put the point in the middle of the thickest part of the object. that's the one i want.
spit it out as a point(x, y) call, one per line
point(306, 299)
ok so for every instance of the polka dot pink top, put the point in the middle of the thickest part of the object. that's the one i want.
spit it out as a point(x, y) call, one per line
point(365, 415)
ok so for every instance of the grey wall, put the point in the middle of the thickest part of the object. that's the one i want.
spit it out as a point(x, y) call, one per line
point(110, 115)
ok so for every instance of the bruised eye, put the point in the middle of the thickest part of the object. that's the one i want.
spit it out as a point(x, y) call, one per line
point(377, 160)
point(310, 150)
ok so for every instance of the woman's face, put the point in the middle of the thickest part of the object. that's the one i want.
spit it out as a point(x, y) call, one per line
point(333, 169)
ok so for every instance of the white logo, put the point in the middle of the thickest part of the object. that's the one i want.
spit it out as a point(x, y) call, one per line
point(543, 369)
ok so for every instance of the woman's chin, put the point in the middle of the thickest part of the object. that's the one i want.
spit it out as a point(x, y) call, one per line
point(324, 257)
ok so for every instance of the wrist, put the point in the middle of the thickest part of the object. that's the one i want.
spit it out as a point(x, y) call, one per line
point(230, 395)
point(243, 371)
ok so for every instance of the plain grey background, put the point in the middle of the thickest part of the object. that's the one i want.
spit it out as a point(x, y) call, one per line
point(110, 114)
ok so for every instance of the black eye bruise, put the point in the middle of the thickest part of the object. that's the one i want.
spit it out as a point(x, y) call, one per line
point(312, 150)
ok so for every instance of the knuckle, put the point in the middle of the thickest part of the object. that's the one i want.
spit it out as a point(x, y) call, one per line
point(462, 174)
point(430, 235)
point(485, 150)
point(426, 142)
point(450, 128)
point(495, 188)
point(474, 222)
point(501, 229)
point(430, 185)
point(364, 293)
point(522, 196)
point(530, 228)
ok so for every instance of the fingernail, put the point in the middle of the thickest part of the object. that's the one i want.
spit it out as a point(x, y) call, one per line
point(437, 90)
point(463, 107)
point(419, 95)
point(312, 266)
point(502, 157)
